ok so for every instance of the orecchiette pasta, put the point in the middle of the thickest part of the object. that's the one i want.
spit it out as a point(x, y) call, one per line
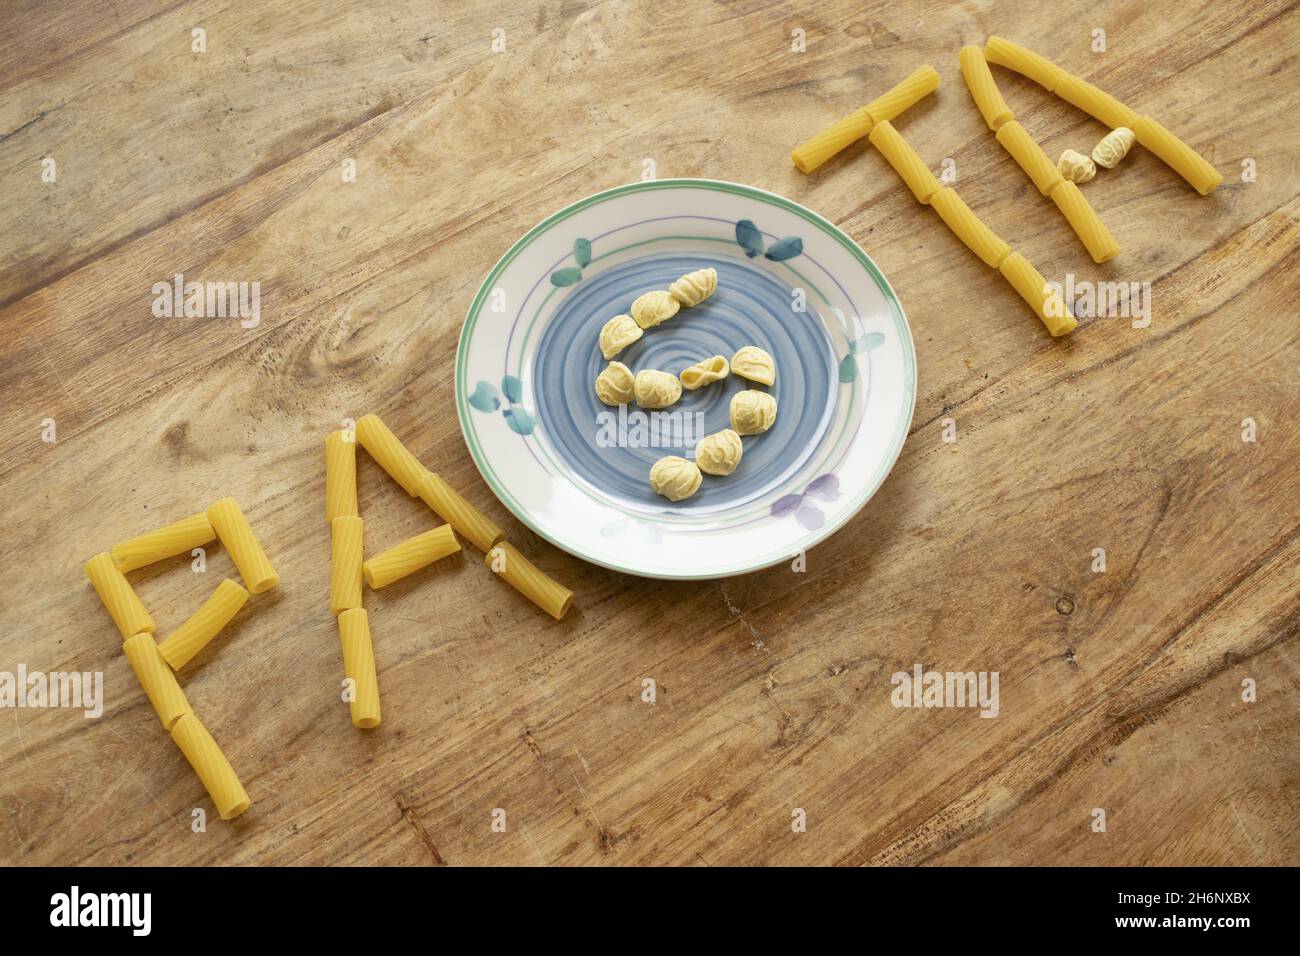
point(705, 373)
point(719, 453)
point(675, 478)
point(614, 384)
point(617, 334)
point(753, 363)
point(1113, 147)
point(653, 307)
point(752, 412)
point(655, 389)
point(694, 287)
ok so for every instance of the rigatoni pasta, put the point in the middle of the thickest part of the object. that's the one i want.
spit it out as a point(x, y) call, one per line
point(156, 678)
point(529, 580)
point(179, 648)
point(180, 537)
point(468, 521)
point(340, 475)
point(245, 550)
point(359, 667)
point(211, 767)
point(346, 559)
point(119, 598)
point(410, 556)
point(391, 455)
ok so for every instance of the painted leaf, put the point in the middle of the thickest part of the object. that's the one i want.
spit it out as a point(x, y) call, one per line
point(825, 487)
point(749, 238)
point(784, 506)
point(869, 342)
point(519, 421)
point(513, 388)
point(848, 368)
point(582, 252)
point(485, 398)
point(566, 276)
point(787, 248)
point(810, 516)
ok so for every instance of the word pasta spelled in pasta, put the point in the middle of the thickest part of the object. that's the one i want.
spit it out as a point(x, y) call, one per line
point(753, 363)
point(675, 478)
point(654, 307)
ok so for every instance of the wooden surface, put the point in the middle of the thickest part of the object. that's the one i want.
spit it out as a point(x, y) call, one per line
point(1119, 690)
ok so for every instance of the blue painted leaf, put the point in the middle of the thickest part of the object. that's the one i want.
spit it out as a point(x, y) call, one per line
point(848, 368)
point(485, 398)
point(519, 421)
point(566, 276)
point(750, 239)
point(825, 487)
point(868, 342)
point(513, 388)
point(787, 248)
point(582, 252)
point(784, 506)
point(810, 516)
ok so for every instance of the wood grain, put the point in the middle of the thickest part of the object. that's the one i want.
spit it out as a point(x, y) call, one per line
point(1120, 690)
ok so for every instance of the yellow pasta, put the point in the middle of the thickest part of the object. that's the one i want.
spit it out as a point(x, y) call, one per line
point(203, 625)
point(391, 454)
point(359, 668)
point(615, 384)
point(340, 476)
point(694, 287)
point(905, 161)
point(753, 363)
point(752, 412)
point(119, 598)
point(675, 478)
point(526, 578)
point(1114, 146)
point(211, 767)
point(346, 558)
point(975, 70)
point(719, 453)
point(1033, 288)
point(410, 556)
point(1030, 157)
point(968, 227)
point(245, 550)
point(178, 538)
point(707, 372)
point(1177, 155)
point(654, 307)
point(156, 678)
point(655, 389)
point(811, 154)
point(1076, 167)
point(467, 520)
point(1094, 102)
point(1096, 238)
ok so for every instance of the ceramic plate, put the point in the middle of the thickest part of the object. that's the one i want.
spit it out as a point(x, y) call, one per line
point(575, 471)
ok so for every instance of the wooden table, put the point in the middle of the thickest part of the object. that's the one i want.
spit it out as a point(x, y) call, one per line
point(1121, 690)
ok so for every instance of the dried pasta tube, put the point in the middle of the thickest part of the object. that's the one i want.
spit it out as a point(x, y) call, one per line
point(448, 505)
point(410, 556)
point(979, 238)
point(1092, 232)
point(179, 538)
point(340, 476)
point(1096, 103)
point(359, 667)
point(119, 598)
point(156, 678)
point(811, 154)
point(979, 80)
point(211, 767)
point(1025, 62)
point(345, 563)
point(1177, 155)
point(1030, 157)
point(204, 624)
point(526, 578)
point(237, 535)
point(905, 161)
point(392, 456)
point(1042, 298)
